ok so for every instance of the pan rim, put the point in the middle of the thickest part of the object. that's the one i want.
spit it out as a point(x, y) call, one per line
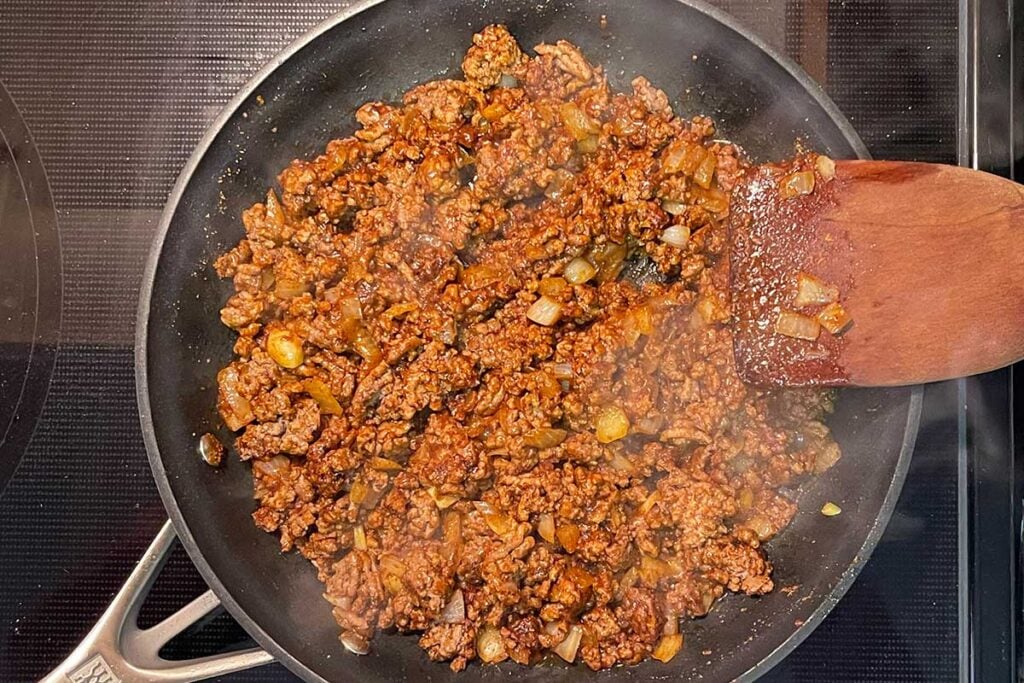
point(160, 476)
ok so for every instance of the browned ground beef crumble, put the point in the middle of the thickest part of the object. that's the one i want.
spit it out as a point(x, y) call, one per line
point(452, 467)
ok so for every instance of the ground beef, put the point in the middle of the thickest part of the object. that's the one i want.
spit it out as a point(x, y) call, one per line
point(451, 462)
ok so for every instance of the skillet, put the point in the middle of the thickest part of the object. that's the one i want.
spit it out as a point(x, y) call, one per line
point(306, 96)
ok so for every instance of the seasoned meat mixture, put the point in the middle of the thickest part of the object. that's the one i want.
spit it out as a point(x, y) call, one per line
point(484, 373)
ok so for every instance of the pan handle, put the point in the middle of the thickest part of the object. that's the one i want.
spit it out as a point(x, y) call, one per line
point(116, 650)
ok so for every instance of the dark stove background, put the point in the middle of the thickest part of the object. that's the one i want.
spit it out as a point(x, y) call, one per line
point(116, 93)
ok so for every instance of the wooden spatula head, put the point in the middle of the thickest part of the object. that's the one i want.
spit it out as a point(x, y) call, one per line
point(927, 259)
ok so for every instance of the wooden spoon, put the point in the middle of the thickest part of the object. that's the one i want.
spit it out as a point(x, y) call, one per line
point(928, 261)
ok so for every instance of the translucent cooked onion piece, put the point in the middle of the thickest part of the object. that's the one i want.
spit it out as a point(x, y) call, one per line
point(359, 538)
point(355, 643)
point(834, 318)
point(672, 207)
point(568, 648)
point(569, 537)
point(668, 647)
point(797, 326)
point(546, 527)
point(544, 437)
point(498, 522)
point(288, 289)
point(577, 122)
point(578, 271)
point(827, 457)
point(321, 393)
point(611, 424)
point(442, 501)
point(545, 311)
point(812, 291)
point(830, 509)
point(705, 172)
point(384, 464)
point(826, 167)
point(676, 235)
point(562, 371)
point(235, 409)
point(285, 348)
point(552, 286)
point(489, 646)
point(796, 184)
point(454, 611)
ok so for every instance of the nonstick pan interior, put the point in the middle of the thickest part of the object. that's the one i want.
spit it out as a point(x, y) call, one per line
point(308, 96)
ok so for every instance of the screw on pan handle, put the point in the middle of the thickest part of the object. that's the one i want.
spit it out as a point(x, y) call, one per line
point(118, 651)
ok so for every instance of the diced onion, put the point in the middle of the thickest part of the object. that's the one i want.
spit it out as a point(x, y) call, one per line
point(671, 626)
point(798, 326)
point(545, 311)
point(826, 167)
point(637, 322)
point(676, 235)
point(275, 212)
point(609, 259)
point(455, 611)
point(796, 184)
point(577, 122)
point(508, 81)
point(650, 425)
point(562, 371)
point(273, 466)
point(321, 393)
point(552, 286)
point(812, 291)
point(443, 502)
point(288, 289)
point(479, 276)
point(569, 536)
point(649, 502)
point(712, 199)
point(578, 271)
point(834, 318)
point(682, 156)
point(567, 648)
point(705, 172)
point(494, 111)
point(745, 499)
point(587, 145)
point(384, 464)
point(365, 345)
point(672, 207)
point(359, 538)
point(497, 521)
point(451, 530)
point(235, 409)
point(546, 527)
point(285, 347)
point(489, 645)
point(390, 564)
point(762, 526)
point(621, 463)
point(544, 437)
point(668, 647)
point(830, 509)
point(652, 570)
point(355, 643)
point(357, 494)
point(611, 425)
point(211, 450)
point(827, 457)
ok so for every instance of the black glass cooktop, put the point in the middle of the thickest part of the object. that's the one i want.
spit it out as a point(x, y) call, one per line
point(112, 96)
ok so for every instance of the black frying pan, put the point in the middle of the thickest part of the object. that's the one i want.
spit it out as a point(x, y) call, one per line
point(307, 96)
